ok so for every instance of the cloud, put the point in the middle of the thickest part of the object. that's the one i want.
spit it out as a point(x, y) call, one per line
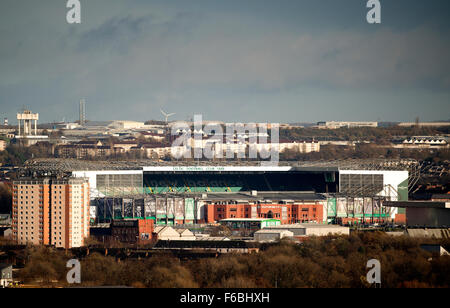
point(146, 55)
point(274, 61)
point(115, 33)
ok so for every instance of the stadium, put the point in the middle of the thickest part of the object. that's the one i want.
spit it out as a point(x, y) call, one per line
point(182, 192)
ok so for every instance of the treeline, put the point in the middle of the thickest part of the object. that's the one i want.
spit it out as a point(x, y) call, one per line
point(373, 134)
point(367, 151)
point(317, 263)
point(16, 155)
point(5, 198)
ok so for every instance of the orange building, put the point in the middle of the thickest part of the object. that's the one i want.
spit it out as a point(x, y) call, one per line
point(51, 212)
point(287, 213)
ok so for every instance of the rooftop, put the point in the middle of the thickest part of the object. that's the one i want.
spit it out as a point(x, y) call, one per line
point(262, 196)
point(418, 204)
point(304, 226)
point(270, 230)
point(68, 165)
point(248, 219)
point(4, 265)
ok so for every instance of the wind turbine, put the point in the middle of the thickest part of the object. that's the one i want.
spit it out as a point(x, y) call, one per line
point(167, 115)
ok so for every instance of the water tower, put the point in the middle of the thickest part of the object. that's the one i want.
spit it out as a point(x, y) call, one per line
point(25, 120)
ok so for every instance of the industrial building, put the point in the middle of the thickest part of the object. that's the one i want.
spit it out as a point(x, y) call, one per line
point(429, 214)
point(312, 229)
point(271, 235)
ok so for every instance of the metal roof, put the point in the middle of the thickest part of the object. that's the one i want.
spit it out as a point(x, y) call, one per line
point(262, 196)
point(68, 165)
point(248, 219)
point(418, 204)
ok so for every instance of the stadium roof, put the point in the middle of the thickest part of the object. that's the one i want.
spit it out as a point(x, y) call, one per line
point(248, 219)
point(69, 165)
point(262, 196)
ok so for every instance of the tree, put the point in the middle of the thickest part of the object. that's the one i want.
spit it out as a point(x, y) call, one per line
point(5, 198)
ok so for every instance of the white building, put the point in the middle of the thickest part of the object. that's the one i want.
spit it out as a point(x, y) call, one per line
point(312, 229)
point(126, 125)
point(340, 124)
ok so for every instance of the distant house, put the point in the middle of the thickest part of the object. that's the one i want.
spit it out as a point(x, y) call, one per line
point(5, 275)
point(90, 142)
point(2, 145)
point(83, 150)
point(6, 232)
point(156, 151)
point(5, 219)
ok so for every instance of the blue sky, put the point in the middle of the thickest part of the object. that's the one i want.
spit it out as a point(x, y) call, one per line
point(274, 61)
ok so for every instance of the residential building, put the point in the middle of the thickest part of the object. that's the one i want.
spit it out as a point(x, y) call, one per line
point(51, 212)
point(82, 151)
point(124, 146)
point(3, 145)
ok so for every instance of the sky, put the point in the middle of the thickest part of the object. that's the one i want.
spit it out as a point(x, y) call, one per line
point(230, 60)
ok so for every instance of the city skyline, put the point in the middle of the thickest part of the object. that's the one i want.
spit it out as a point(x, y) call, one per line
point(251, 61)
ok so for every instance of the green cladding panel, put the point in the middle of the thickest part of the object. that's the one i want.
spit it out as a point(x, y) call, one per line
point(402, 190)
point(331, 207)
point(189, 208)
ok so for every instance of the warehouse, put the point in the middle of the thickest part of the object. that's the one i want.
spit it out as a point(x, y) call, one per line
point(425, 214)
point(271, 235)
point(312, 229)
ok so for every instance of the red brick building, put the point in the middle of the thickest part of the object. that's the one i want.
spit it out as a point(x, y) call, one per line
point(287, 213)
point(132, 230)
